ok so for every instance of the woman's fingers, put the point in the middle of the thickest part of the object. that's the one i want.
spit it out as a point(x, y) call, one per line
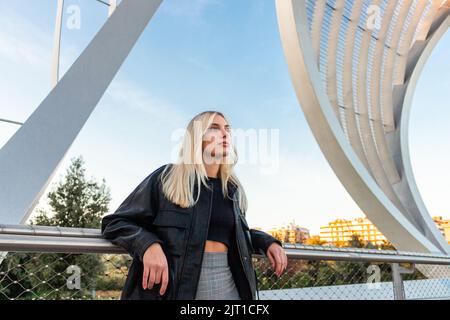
point(285, 260)
point(158, 275)
point(271, 259)
point(151, 278)
point(164, 282)
point(279, 262)
point(155, 268)
point(145, 278)
point(275, 261)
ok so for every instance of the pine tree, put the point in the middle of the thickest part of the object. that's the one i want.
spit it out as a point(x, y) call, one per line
point(76, 202)
point(79, 203)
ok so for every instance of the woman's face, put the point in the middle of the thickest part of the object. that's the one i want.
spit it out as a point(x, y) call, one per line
point(217, 139)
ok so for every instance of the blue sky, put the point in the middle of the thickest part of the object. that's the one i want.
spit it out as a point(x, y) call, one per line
point(208, 54)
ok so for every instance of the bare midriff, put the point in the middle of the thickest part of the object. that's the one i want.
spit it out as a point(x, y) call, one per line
point(215, 246)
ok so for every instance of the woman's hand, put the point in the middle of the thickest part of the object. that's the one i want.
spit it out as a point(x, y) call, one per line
point(277, 258)
point(155, 268)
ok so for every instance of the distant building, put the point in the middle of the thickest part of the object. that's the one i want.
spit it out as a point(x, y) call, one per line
point(290, 233)
point(443, 226)
point(340, 231)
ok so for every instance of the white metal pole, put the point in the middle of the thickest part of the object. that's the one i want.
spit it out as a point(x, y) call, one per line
point(112, 7)
point(57, 43)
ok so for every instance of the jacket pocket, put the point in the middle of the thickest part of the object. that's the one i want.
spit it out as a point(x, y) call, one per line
point(172, 228)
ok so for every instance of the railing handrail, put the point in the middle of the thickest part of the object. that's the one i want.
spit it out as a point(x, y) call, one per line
point(54, 231)
point(31, 238)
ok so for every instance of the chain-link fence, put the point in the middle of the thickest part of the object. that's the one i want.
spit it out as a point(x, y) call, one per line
point(313, 272)
point(352, 280)
point(25, 275)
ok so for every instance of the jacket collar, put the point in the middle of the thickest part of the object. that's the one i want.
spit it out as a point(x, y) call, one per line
point(232, 189)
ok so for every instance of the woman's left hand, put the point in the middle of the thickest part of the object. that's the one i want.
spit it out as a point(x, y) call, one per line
point(277, 258)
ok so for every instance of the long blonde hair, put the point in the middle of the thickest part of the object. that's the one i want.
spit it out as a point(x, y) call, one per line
point(179, 179)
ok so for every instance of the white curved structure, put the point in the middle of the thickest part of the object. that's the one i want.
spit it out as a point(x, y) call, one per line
point(354, 66)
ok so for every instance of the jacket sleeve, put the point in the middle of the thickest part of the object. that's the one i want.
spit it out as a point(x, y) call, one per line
point(262, 240)
point(129, 225)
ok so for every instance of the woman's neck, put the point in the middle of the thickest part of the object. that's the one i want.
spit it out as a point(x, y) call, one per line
point(212, 170)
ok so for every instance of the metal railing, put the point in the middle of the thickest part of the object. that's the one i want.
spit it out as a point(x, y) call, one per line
point(70, 263)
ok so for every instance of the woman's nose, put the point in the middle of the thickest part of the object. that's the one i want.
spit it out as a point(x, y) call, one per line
point(224, 133)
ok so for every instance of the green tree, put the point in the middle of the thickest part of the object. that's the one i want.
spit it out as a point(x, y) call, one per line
point(315, 241)
point(75, 202)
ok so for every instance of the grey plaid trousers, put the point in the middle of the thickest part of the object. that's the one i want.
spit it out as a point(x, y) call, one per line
point(216, 280)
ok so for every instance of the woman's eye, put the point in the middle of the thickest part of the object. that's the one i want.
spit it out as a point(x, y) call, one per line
point(217, 128)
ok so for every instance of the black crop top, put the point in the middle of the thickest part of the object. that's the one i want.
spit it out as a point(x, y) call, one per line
point(221, 225)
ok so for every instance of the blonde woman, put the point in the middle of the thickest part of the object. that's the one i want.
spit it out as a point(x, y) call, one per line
point(185, 225)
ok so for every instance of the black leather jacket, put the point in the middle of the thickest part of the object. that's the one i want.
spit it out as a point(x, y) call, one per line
point(147, 216)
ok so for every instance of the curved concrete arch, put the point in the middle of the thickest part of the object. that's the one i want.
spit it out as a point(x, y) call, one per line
point(333, 34)
point(399, 225)
point(404, 129)
point(378, 56)
point(389, 64)
point(392, 137)
point(422, 32)
point(399, 72)
point(419, 217)
point(407, 187)
point(375, 93)
point(347, 87)
point(319, 13)
point(368, 140)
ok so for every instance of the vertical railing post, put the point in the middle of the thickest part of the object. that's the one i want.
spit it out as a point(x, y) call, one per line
point(397, 280)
